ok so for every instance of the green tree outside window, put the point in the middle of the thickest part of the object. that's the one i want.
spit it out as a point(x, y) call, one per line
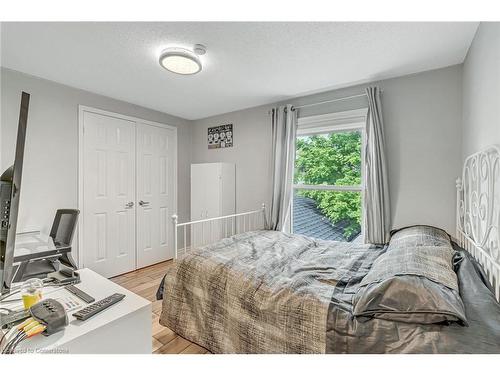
point(332, 159)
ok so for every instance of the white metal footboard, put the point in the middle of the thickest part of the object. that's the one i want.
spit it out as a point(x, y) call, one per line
point(204, 232)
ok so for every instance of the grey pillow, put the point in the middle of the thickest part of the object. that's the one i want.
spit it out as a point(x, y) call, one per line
point(419, 235)
point(413, 281)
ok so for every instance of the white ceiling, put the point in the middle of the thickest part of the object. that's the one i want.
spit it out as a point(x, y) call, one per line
point(247, 64)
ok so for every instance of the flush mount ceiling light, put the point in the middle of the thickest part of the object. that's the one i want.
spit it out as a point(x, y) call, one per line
point(181, 60)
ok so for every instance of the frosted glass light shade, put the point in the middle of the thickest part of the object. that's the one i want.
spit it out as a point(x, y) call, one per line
point(180, 61)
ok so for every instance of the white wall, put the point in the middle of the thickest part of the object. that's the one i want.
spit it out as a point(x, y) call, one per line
point(481, 90)
point(50, 176)
point(422, 114)
point(250, 153)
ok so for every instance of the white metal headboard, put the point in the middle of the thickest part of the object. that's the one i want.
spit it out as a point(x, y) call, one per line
point(478, 211)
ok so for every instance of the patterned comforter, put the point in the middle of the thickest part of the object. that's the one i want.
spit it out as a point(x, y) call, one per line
point(271, 292)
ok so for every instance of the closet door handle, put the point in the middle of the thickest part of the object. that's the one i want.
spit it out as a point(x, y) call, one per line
point(129, 205)
point(143, 203)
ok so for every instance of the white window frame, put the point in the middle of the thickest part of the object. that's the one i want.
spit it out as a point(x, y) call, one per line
point(345, 121)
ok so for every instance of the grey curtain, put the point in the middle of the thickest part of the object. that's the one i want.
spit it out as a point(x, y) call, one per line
point(284, 130)
point(377, 211)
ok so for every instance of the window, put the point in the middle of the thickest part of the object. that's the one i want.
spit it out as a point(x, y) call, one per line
point(328, 183)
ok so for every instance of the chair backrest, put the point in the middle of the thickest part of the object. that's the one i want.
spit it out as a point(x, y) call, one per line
point(64, 226)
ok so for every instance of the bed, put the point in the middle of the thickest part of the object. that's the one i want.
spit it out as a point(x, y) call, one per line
point(257, 291)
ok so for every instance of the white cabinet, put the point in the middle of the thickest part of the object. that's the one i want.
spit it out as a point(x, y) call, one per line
point(212, 195)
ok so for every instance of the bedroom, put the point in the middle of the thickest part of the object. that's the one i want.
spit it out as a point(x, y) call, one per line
point(251, 203)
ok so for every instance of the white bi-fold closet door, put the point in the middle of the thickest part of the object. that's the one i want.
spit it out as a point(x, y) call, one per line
point(154, 192)
point(128, 181)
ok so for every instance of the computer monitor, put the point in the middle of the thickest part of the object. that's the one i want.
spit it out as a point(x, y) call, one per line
point(10, 189)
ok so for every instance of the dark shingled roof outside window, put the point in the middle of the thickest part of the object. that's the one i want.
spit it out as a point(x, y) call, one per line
point(309, 221)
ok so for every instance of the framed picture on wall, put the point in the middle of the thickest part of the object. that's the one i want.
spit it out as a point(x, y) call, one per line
point(220, 136)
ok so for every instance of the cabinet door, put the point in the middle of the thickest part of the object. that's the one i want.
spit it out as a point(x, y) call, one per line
point(108, 194)
point(155, 194)
point(212, 176)
point(198, 191)
point(212, 229)
point(205, 202)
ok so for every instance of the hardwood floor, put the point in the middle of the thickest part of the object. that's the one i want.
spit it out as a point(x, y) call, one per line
point(145, 282)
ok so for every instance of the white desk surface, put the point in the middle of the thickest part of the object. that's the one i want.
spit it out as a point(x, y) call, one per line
point(98, 287)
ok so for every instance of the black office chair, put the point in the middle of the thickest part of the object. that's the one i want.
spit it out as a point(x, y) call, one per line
point(64, 226)
point(62, 231)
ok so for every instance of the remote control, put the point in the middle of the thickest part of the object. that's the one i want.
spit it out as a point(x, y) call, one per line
point(80, 293)
point(97, 307)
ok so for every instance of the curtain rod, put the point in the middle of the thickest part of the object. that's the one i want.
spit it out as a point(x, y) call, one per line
point(330, 101)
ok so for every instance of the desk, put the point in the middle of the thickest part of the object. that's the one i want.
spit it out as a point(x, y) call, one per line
point(124, 328)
